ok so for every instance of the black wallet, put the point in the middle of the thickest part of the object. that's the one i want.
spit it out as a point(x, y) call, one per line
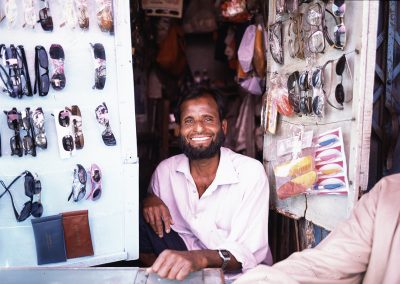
point(49, 239)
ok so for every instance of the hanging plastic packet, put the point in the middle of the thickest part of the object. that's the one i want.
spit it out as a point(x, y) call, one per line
point(246, 49)
point(295, 167)
point(279, 93)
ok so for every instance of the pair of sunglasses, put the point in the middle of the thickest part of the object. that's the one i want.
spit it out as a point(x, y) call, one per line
point(305, 98)
point(28, 140)
point(338, 40)
point(95, 178)
point(77, 127)
point(339, 90)
point(105, 15)
point(45, 19)
point(57, 56)
point(102, 118)
point(295, 31)
point(294, 91)
point(83, 15)
point(32, 187)
point(64, 119)
point(38, 123)
point(276, 41)
point(78, 191)
point(318, 102)
point(14, 121)
point(42, 79)
point(16, 81)
point(29, 14)
point(315, 40)
point(100, 66)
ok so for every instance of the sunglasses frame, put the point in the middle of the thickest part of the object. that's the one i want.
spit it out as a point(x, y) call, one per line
point(96, 181)
point(79, 182)
point(42, 80)
point(32, 187)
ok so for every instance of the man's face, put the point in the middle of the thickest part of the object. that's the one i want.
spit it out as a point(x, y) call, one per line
point(201, 131)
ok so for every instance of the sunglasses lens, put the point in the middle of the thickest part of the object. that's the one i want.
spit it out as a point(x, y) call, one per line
point(317, 78)
point(45, 83)
point(81, 194)
point(37, 209)
point(96, 194)
point(339, 8)
point(16, 146)
point(96, 176)
point(43, 59)
point(38, 186)
point(316, 42)
point(318, 105)
point(27, 143)
point(339, 34)
point(340, 65)
point(68, 143)
point(45, 19)
point(314, 16)
point(41, 140)
point(26, 211)
point(81, 174)
point(339, 94)
point(63, 118)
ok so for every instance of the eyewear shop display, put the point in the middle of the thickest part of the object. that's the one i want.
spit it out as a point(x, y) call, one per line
point(57, 237)
point(68, 125)
point(306, 92)
point(14, 71)
point(74, 12)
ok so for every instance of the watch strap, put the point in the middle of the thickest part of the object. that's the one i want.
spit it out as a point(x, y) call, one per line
point(225, 256)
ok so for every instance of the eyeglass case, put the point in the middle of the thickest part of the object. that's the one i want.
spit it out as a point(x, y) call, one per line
point(49, 239)
point(78, 241)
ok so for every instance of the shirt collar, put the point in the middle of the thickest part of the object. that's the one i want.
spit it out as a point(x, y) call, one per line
point(226, 173)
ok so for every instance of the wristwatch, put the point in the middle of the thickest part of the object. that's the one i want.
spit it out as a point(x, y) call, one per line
point(226, 257)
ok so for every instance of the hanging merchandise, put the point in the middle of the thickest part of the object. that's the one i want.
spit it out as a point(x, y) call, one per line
point(163, 8)
point(29, 14)
point(235, 11)
point(252, 64)
point(259, 61)
point(200, 17)
point(171, 53)
point(105, 15)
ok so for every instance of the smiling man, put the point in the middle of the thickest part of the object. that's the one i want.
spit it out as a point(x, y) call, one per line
point(207, 207)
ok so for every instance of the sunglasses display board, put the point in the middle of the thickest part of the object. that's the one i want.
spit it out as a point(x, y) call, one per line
point(321, 60)
point(67, 130)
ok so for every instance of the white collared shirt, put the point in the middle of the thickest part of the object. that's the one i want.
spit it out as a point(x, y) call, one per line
point(232, 213)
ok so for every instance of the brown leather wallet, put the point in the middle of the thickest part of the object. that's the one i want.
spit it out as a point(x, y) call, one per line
point(78, 241)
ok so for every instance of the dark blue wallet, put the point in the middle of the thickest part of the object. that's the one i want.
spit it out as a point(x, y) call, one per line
point(49, 239)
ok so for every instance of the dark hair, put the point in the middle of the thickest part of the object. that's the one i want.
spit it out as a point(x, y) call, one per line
point(198, 92)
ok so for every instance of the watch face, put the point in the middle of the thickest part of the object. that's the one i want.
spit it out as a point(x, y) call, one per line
point(225, 253)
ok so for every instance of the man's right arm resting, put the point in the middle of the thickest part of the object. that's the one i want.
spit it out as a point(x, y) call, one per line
point(155, 212)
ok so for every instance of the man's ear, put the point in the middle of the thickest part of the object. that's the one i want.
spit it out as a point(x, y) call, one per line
point(224, 126)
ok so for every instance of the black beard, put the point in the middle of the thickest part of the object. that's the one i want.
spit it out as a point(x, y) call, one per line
point(203, 153)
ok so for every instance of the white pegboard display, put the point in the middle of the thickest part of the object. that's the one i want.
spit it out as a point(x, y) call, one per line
point(112, 218)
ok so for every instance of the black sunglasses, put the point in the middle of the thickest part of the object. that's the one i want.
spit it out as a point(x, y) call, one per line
point(32, 187)
point(294, 91)
point(42, 80)
point(100, 63)
point(339, 91)
point(45, 19)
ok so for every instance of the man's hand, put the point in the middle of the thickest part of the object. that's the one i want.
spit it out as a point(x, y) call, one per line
point(155, 212)
point(174, 264)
